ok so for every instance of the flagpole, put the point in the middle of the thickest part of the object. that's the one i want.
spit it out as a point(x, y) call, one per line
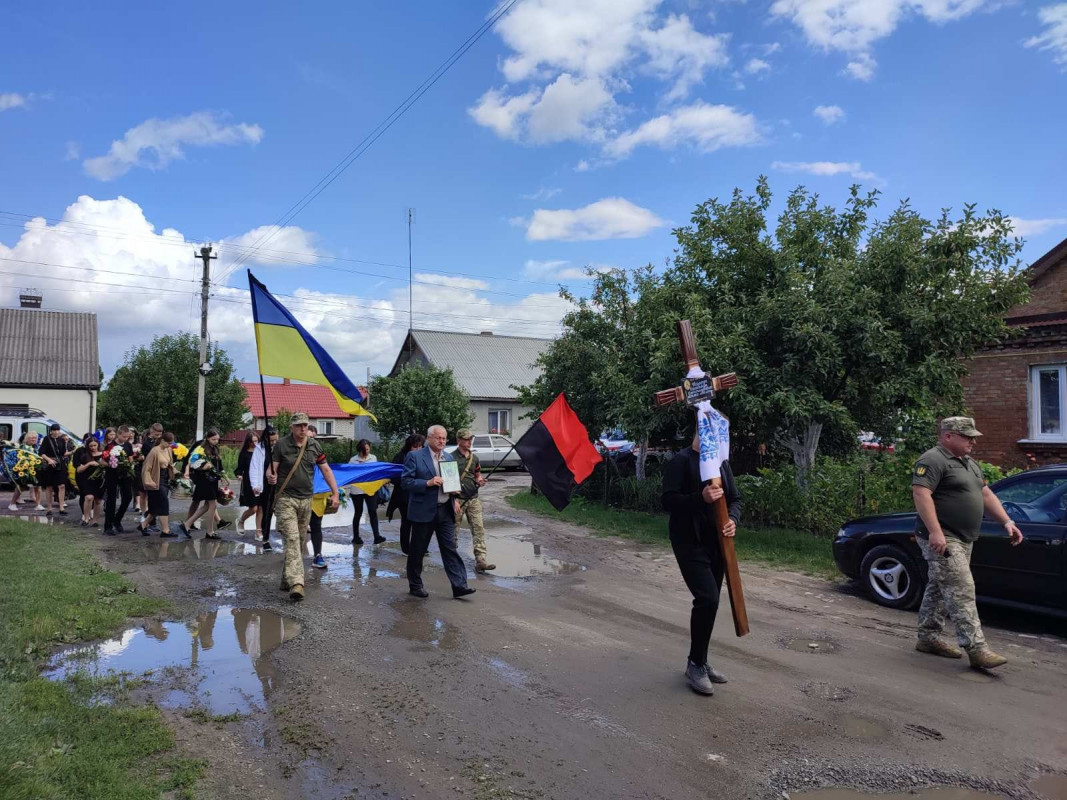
point(267, 460)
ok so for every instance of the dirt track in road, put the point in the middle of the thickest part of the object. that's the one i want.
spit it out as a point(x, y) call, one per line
point(569, 684)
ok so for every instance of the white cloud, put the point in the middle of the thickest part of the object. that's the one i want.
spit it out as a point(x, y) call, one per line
point(104, 256)
point(569, 61)
point(72, 151)
point(756, 66)
point(289, 245)
point(559, 270)
point(853, 26)
point(829, 114)
point(861, 67)
point(582, 166)
point(9, 100)
point(1054, 39)
point(156, 142)
point(706, 127)
point(677, 51)
point(543, 193)
point(610, 218)
point(1035, 227)
point(826, 168)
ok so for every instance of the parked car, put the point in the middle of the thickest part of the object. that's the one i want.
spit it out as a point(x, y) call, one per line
point(868, 441)
point(492, 450)
point(15, 421)
point(616, 442)
point(880, 551)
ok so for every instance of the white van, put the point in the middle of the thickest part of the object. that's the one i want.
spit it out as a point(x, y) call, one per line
point(17, 420)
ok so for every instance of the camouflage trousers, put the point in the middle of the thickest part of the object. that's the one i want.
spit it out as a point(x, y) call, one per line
point(472, 511)
point(950, 594)
point(293, 515)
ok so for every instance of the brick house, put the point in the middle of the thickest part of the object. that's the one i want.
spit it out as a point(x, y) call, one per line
point(1017, 390)
point(317, 401)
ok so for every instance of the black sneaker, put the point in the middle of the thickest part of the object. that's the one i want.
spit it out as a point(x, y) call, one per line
point(143, 531)
point(223, 525)
point(380, 539)
point(62, 512)
point(118, 527)
point(110, 533)
point(166, 535)
point(266, 547)
point(185, 531)
point(356, 540)
point(463, 592)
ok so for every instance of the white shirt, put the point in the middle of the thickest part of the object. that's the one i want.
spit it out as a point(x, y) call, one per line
point(353, 489)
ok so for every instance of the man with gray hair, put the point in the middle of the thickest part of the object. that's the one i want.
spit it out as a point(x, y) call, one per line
point(432, 511)
point(951, 495)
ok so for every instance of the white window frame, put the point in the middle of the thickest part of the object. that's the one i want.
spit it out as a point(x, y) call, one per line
point(499, 411)
point(325, 427)
point(1035, 403)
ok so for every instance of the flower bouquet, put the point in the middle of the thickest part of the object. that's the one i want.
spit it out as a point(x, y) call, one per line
point(342, 502)
point(225, 495)
point(117, 458)
point(183, 487)
point(180, 451)
point(20, 465)
point(202, 465)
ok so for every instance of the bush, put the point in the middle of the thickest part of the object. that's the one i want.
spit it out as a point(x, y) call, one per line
point(229, 459)
point(340, 451)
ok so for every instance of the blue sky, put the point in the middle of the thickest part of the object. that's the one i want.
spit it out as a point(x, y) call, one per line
point(572, 134)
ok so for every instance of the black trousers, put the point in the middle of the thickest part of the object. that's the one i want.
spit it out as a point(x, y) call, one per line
point(405, 533)
point(266, 500)
point(444, 525)
point(118, 488)
point(372, 511)
point(316, 532)
point(702, 569)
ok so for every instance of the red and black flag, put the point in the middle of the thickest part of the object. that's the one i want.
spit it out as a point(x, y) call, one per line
point(557, 452)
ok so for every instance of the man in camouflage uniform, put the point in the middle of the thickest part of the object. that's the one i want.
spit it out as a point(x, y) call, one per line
point(470, 478)
point(951, 495)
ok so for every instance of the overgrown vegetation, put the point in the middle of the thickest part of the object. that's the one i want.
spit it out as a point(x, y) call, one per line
point(84, 737)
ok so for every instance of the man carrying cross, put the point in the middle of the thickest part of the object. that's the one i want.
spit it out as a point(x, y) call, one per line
point(701, 496)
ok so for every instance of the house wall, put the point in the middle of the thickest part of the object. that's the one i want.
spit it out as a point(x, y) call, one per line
point(75, 409)
point(1048, 294)
point(481, 409)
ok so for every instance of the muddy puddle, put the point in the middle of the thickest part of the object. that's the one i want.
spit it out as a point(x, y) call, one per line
point(938, 793)
point(348, 564)
point(863, 728)
point(199, 549)
point(414, 625)
point(515, 556)
point(1054, 787)
point(216, 661)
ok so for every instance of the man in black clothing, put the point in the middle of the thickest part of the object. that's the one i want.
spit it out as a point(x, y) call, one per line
point(117, 487)
point(695, 542)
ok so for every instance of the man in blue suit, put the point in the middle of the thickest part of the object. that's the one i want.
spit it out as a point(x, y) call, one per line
point(432, 511)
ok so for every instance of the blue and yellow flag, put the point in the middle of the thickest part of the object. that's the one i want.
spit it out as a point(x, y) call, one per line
point(286, 350)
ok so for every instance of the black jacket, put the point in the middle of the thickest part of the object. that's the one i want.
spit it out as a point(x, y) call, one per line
point(682, 496)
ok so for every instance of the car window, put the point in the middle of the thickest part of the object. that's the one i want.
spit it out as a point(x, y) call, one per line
point(1030, 489)
point(39, 427)
point(5, 432)
point(481, 441)
point(500, 441)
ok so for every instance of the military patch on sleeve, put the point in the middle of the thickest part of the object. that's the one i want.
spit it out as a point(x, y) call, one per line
point(920, 470)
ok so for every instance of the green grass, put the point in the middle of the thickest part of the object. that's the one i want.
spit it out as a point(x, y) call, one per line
point(777, 547)
point(82, 738)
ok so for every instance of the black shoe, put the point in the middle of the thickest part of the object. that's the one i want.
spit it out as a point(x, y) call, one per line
point(266, 547)
point(466, 590)
point(143, 531)
point(118, 527)
point(94, 525)
point(224, 524)
point(380, 539)
point(84, 524)
point(110, 533)
point(356, 540)
point(185, 531)
point(62, 512)
point(419, 592)
point(167, 535)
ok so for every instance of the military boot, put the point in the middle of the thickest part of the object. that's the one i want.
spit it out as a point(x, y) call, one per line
point(984, 658)
point(937, 647)
point(296, 592)
point(481, 565)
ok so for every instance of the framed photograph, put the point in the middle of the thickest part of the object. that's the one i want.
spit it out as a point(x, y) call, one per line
point(450, 474)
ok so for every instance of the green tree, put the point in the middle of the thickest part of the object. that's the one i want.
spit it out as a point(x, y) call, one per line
point(416, 398)
point(281, 421)
point(158, 383)
point(835, 320)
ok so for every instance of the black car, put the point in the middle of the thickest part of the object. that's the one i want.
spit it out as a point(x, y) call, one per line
point(880, 551)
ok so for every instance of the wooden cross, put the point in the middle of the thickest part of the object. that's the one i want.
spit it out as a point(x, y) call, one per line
point(693, 391)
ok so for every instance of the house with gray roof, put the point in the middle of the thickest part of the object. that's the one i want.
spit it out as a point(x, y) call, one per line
point(486, 366)
point(50, 361)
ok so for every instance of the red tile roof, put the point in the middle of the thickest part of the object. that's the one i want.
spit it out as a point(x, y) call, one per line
point(317, 402)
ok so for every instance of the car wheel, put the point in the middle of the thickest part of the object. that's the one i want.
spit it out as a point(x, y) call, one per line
point(891, 577)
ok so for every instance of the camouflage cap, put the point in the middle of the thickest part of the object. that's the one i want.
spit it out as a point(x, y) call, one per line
point(961, 425)
point(299, 418)
point(464, 433)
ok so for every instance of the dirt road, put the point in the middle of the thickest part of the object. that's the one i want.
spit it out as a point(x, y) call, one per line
point(568, 684)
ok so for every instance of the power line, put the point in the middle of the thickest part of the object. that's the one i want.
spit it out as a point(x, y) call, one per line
point(377, 133)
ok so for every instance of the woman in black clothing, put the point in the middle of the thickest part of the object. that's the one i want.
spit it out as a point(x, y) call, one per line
point(247, 498)
point(88, 461)
point(205, 468)
point(398, 501)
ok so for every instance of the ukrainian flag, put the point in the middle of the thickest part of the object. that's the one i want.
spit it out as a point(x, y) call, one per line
point(286, 350)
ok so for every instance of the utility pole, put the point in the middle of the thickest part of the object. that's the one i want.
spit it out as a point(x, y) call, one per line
point(411, 305)
point(204, 368)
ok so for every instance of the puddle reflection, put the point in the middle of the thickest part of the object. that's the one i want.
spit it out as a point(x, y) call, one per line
point(224, 650)
point(415, 625)
point(200, 549)
point(517, 558)
point(347, 563)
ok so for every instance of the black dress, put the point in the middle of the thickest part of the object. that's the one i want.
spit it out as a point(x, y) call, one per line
point(206, 486)
point(88, 485)
point(244, 462)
